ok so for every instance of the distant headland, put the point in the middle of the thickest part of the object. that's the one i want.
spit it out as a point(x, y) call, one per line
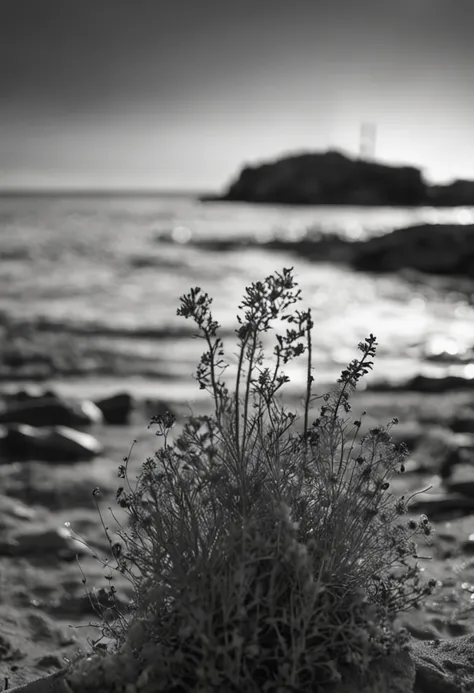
point(332, 178)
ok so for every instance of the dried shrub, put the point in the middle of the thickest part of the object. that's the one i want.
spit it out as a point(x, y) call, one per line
point(267, 552)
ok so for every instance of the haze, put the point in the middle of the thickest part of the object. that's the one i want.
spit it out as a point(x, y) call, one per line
point(178, 95)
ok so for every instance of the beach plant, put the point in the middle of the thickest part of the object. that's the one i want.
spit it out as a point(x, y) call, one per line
point(265, 548)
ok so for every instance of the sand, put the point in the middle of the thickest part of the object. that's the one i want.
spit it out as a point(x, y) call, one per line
point(44, 614)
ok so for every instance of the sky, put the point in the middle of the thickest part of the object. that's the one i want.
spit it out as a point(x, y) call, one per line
point(179, 94)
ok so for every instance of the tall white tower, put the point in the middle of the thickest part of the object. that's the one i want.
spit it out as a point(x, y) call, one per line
point(368, 136)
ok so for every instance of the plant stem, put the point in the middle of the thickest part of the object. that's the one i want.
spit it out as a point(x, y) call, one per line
point(308, 374)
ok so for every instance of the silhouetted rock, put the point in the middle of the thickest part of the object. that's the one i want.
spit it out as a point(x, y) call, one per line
point(438, 505)
point(56, 444)
point(434, 248)
point(51, 411)
point(117, 408)
point(425, 383)
point(327, 247)
point(328, 178)
point(459, 193)
point(31, 394)
point(332, 178)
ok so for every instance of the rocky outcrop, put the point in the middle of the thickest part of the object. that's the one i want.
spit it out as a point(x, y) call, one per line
point(459, 193)
point(329, 178)
point(332, 178)
point(435, 248)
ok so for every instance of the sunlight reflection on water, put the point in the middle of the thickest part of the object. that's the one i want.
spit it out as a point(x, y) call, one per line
point(82, 262)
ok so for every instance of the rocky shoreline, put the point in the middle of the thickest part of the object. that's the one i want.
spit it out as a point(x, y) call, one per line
point(446, 250)
point(42, 593)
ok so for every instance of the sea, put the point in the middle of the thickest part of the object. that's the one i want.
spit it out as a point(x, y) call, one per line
point(90, 286)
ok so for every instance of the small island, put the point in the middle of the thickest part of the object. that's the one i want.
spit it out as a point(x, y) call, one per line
point(332, 178)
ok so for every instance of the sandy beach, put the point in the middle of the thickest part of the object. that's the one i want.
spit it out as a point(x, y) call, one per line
point(45, 615)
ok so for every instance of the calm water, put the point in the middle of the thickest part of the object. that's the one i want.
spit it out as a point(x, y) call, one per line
point(89, 289)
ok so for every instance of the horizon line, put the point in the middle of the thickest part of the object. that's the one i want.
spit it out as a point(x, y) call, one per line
point(102, 192)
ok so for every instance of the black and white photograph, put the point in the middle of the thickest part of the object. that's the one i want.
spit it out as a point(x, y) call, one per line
point(236, 346)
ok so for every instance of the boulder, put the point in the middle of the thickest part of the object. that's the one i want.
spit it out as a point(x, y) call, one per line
point(116, 409)
point(444, 666)
point(54, 444)
point(432, 248)
point(51, 411)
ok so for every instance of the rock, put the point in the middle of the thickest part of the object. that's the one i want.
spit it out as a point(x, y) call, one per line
point(116, 409)
point(444, 666)
point(57, 541)
point(54, 683)
point(31, 394)
point(424, 383)
point(9, 653)
point(327, 178)
point(433, 248)
point(438, 505)
point(55, 444)
point(463, 422)
point(51, 411)
point(461, 480)
point(459, 193)
point(49, 661)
